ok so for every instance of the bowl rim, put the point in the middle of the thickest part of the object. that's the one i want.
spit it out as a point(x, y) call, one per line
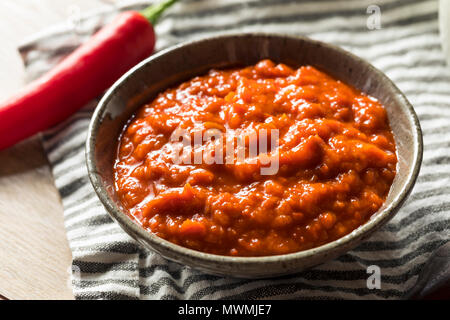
point(137, 231)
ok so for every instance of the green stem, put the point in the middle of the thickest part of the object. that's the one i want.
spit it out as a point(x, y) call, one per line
point(153, 12)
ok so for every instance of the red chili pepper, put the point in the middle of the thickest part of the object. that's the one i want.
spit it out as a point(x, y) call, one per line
point(81, 76)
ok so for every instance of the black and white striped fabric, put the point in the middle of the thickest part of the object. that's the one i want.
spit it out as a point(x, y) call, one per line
point(108, 264)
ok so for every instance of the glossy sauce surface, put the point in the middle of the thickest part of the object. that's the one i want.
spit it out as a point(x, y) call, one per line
point(336, 155)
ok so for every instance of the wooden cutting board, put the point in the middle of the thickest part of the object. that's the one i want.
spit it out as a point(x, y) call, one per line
point(34, 253)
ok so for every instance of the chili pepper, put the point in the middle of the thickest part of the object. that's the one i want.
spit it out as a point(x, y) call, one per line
point(80, 77)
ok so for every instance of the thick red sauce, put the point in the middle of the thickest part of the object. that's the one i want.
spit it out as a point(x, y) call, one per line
point(336, 153)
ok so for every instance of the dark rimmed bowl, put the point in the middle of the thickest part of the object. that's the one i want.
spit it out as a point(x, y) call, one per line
point(182, 62)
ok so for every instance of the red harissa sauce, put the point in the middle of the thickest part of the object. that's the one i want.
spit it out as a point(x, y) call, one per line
point(336, 151)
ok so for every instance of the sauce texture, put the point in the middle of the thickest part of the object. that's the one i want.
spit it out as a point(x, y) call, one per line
point(336, 155)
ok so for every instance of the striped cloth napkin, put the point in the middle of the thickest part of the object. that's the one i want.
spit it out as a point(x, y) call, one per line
point(108, 264)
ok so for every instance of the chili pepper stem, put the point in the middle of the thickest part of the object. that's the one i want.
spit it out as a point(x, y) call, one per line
point(153, 12)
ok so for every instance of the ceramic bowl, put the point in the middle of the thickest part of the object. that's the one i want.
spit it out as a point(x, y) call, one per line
point(184, 61)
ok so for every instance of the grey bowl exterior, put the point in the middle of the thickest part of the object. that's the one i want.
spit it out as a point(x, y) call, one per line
point(181, 62)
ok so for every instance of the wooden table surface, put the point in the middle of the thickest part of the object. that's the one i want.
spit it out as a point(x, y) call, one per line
point(34, 253)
